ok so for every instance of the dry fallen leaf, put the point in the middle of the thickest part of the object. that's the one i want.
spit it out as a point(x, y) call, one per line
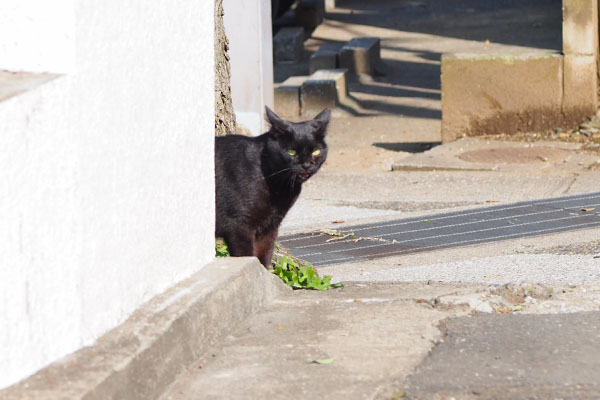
point(588, 208)
point(336, 238)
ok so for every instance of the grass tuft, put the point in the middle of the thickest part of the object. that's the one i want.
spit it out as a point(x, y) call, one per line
point(293, 272)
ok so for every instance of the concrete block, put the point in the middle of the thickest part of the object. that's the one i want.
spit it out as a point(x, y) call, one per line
point(580, 98)
point(486, 94)
point(310, 13)
point(580, 27)
point(138, 359)
point(287, 97)
point(330, 4)
point(361, 55)
point(323, 89)
point(327, 57)
point(288, 44)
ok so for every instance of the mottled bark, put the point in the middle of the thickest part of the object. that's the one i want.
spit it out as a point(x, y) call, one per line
point(224, 115)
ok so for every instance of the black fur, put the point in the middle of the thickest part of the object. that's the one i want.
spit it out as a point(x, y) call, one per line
point(258, 181)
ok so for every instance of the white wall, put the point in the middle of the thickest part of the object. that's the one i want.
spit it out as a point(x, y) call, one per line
point(36, 35)
point(248, 28)
point(106, 175)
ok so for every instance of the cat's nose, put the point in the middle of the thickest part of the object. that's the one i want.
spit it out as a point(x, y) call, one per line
point(306, 166)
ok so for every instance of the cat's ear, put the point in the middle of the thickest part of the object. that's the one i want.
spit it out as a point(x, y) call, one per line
point(322, 120)
point(323, 117)
point(276, 122)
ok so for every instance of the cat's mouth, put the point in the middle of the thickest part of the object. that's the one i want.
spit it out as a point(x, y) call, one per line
point(304, 175)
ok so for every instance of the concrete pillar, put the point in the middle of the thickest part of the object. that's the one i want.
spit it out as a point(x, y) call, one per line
point(580, 47)
point(580, 27)
point(248, 27)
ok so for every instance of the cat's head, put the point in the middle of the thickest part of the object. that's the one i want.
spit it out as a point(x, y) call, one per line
point(299, 146)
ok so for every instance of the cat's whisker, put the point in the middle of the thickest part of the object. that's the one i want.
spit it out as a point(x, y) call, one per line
point(278, 172)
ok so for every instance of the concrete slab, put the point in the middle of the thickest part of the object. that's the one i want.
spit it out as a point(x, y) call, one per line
point(287, 97)
point(365, 334)
point(327, 57)
point(359, 342)
point(472, 154)
point(361, 55)
point(323, 89)
point(288, 44)
point(323, 59)
point(139, 358)
point(487, 94)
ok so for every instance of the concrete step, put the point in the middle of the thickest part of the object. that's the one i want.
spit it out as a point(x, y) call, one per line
point(287, 97)
point(325, 88)
point(288, 44)
point(361, 55)
point(327, 57)
point(300, 95)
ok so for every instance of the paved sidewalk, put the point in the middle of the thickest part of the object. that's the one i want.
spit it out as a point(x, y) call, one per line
point(373, 341)
point(516, 319)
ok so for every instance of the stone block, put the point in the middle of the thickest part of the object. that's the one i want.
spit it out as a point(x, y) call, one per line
point(323, 60)
point(580, 27)
point(288, 44)
point(327, 57)
point(487, 94)
point(323, 89)
point(580, 98)
point(330, 4)
point(361, 55)
point(310, 13)
point(287, 97)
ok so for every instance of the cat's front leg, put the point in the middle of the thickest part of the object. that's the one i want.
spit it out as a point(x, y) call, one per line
point(263, 248)
point(240, 244)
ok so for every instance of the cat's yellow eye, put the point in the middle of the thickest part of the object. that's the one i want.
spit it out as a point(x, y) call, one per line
point(316, 152)
point(292, 152)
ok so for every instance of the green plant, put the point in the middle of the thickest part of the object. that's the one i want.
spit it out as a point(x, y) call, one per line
point(302, 276)
point(290, 271)
point(221, 249)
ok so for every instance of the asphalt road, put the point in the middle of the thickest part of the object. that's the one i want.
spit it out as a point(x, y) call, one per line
point(496, 356)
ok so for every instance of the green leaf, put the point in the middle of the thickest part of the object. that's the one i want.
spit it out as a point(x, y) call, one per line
point(310, 272)
point(221, 249)
point(325, 361)
point(301, 276)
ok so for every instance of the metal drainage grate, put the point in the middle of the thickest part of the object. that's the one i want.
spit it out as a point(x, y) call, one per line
point(455, 229)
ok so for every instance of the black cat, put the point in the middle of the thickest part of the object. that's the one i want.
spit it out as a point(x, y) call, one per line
point(258, 179)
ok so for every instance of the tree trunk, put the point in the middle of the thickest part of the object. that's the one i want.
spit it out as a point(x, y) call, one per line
point(224, 115)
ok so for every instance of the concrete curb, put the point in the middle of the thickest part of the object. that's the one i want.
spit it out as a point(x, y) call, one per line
point(141, 357)
point(561, 156)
